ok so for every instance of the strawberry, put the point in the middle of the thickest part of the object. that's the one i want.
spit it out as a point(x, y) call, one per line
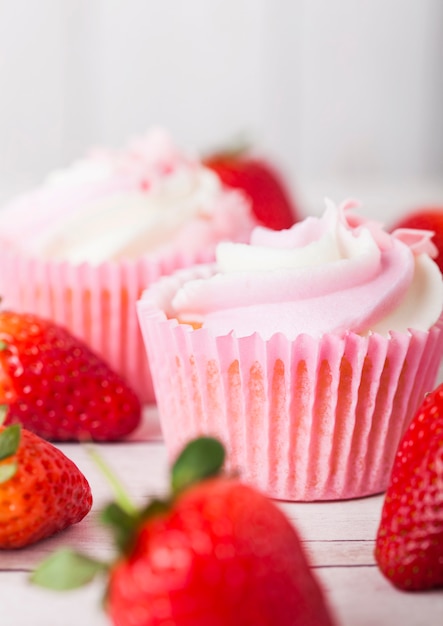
point(427, 218)
point(271, 201)
point(41, 491)
point(216, 552)
point(54, 385)
point(409, 546)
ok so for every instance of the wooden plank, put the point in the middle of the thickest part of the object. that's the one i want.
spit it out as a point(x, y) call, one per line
point(23, 604)
point(349, 520)
point(340, 553)
point(361, 596)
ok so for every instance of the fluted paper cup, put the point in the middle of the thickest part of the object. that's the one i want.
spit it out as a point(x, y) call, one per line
point(308, 419)
point(96, 303)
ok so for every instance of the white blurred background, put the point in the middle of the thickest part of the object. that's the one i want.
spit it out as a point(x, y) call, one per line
point(345, 96)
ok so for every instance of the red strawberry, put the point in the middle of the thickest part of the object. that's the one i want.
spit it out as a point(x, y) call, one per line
point(55, 386)
point(409, 546)
point(216, 553)
point(271, 200)
point(41, 490)
point(427, 218)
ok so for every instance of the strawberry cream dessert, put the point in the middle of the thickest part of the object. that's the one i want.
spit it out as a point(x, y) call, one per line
point(307, 351)
point(81, 248)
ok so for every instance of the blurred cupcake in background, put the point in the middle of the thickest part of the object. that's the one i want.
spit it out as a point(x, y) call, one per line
point(307, 351)
point(82, 247)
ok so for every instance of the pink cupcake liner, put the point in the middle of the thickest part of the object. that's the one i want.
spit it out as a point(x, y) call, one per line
point(96, 303)
point(309, 419)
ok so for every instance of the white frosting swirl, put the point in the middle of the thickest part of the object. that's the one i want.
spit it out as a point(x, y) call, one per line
point(120, 205)
point(330, 274)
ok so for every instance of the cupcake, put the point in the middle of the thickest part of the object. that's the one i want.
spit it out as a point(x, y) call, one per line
point(81, 248)
point(306, 351)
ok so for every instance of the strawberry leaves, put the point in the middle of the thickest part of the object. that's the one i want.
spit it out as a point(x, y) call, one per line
point(66, 570)
point(9, 442)
point(202, 458)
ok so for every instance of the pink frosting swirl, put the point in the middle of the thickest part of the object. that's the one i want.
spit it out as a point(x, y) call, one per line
point(331, 274)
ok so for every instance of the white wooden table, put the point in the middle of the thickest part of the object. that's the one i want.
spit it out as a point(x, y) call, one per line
point(338, 537)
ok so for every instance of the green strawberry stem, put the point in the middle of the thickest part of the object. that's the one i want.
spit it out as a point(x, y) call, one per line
point(120, 493)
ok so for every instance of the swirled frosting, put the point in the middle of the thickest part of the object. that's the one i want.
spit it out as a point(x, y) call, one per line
point(123, 204)
point(331, 274)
